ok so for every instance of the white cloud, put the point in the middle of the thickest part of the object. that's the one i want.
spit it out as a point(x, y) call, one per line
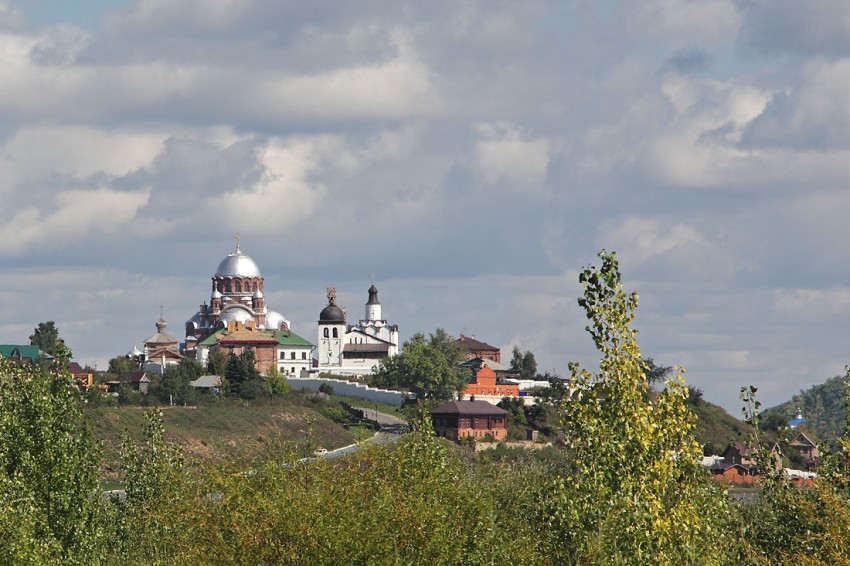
point(692, 21)
point(39, 151)
point(640, 239)
point(505, 152)
point(77, 214)
point(283, 197)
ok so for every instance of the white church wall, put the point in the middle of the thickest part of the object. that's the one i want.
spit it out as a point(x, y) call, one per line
point(349, 389)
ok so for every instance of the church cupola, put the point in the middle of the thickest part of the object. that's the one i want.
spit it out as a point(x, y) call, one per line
point(373, 306)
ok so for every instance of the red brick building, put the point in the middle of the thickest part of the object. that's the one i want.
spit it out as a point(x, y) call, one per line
point(486, 384)
point(239, 337)
point(470, 419)
point(472, 348)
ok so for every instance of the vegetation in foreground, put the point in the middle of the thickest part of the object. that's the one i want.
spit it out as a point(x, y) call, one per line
point(626, 490)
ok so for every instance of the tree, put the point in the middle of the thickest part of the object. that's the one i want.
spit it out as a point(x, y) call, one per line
point(428, 367)
point(525, 363)
point(242, 375)
point(122, 365)
point(46, 337)
point(174, 383)
point(277, 382)
point(217, 363)
point(49, 466)
point(637, 493)
point(655, 374)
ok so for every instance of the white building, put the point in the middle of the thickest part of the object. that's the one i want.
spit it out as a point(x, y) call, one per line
point(356, 349)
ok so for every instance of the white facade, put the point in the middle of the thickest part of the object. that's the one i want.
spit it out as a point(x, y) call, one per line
point(355, 350)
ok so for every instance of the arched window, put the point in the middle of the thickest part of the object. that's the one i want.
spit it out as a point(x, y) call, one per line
point(237, 286)
point(336, 334)
point(326, 332)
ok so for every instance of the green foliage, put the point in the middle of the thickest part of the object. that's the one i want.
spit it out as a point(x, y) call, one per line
point(636, 494)
point(414, 503)
point(173, 385)
point(122, 365)
point(525, 363)
point(428, 367)
point(242, 375)
point(46, 337)
point(792, 525)
point(277, 383)
point(48, 470)
point(153, 486)
point(217, 363)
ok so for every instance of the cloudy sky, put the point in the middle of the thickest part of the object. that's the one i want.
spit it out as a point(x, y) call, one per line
point(472, 157)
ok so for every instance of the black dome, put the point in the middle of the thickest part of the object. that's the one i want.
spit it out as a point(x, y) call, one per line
point(332, 313)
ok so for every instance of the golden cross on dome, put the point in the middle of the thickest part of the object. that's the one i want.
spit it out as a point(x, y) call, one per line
point(160, 312)
point(237, 242)
point(331, 295)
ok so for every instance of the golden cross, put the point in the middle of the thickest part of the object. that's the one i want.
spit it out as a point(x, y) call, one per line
point(237, 241)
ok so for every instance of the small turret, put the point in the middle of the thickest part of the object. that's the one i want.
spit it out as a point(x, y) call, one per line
point(373, 306)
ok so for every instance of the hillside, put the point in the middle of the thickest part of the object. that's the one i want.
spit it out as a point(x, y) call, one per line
point(232, 430)
point(823, 407)
point(716, 428)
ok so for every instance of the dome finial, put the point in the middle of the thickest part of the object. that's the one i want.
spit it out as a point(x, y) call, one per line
point(237, 243)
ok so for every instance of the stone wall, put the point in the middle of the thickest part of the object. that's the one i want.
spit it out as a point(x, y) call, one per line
point(349, 389)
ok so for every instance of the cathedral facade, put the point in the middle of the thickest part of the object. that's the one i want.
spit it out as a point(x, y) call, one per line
point(238, 318)
point(237, 295)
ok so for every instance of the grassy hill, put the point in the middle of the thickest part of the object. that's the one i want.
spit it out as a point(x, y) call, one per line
point(716, 428)
point(823, 407)
point(233, 430)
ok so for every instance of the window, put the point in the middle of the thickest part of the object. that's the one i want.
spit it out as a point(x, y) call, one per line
point(293, 369)
point(336, 335)
point(326, 333)
point(292, 356)
point(303, 355)
point(283, 355)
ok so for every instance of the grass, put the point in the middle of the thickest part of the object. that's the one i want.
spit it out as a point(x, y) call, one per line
point(362, 404)
point(228, 430)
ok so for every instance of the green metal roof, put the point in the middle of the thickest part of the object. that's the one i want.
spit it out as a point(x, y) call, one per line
point(30, 352)
point(283, 338)
point(289, 338)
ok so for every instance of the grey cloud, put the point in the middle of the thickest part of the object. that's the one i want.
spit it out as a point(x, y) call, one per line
point(802, 28)
point(689, 61)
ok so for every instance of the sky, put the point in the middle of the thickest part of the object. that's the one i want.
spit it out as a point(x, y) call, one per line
point(470, 158)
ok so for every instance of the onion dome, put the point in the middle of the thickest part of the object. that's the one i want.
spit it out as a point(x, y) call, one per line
point(258, 294)
point(373, 296)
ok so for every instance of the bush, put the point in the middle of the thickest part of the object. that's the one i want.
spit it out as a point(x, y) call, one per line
point(326, 388)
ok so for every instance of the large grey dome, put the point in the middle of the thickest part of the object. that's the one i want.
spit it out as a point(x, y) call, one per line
point(237, 264)
point(331, 313)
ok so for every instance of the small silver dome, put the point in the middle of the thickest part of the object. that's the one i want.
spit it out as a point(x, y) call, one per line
point(274, 319)
point(237, 314)
point(237, 264)
point(258, 294)
point(215, 294)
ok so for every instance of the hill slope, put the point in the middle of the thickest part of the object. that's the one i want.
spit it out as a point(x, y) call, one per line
point(716, 428)
point(823, 407)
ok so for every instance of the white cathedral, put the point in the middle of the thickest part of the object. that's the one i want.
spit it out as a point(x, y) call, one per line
point(356, 349)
